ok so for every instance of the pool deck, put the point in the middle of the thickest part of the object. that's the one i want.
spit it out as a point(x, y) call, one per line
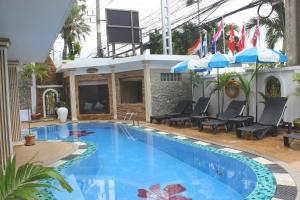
point(44, 153)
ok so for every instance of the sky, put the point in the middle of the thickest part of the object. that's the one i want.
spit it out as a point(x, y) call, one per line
point(149, 14)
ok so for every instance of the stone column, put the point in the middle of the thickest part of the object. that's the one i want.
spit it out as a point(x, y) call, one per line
point(14, 100)
point(114, 92)
point(6, 149)
point(73, 97)
point(147, 89)
point(292, 31)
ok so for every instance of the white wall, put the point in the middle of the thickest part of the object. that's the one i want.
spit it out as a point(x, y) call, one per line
point(285, 75)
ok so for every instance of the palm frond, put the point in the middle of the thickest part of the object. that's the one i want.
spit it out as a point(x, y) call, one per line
point(24, 182)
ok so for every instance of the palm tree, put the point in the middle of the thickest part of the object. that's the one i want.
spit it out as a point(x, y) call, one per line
point(28, 181)
point(74, 28)
point(275, 26)
point(39, 70)
point(245, 85)
point(219, 86)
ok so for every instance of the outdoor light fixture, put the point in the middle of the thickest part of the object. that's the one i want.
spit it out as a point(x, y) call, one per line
point(265, 9)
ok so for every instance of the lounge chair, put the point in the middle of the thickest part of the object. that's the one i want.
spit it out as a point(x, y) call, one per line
point(234, 109)
point(182, 108)
point(199, 110)
point(269, 120)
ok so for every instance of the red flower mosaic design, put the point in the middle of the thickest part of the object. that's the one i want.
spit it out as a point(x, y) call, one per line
point(80, 133)
point(170, 192)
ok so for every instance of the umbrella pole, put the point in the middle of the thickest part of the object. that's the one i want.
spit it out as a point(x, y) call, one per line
point(256, 88)
point(218, 92)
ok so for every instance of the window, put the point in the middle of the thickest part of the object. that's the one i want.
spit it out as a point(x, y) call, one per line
point(131, 90)
point(170, 77)
point(93, 97)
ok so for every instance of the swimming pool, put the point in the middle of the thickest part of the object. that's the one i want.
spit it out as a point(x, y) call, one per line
point(129, 160)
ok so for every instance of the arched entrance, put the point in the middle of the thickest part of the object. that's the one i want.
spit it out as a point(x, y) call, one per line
point(273, 87)
point(50, 100)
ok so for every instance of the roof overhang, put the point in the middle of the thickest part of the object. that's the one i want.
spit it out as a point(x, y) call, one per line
point(32, 26)
point(104, 65)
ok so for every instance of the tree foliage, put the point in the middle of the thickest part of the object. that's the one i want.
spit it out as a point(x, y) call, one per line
point(41, 71)
point(74, 29)
point(275, 26)
point(220, 84)
point(185, 37)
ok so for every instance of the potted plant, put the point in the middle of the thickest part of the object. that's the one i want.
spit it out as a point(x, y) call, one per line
point(296, 123)
point(62, 112)
point(29, 139)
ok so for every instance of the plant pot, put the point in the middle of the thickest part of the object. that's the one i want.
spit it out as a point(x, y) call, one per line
point(62, 114)
point(29, 140)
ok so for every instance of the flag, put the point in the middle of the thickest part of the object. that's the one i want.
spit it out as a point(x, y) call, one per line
point(196, 47)
point(213, 44)
point(231, 43)
point(255, 36)
point(204, 45)
point(219, 32)
point(242, 39)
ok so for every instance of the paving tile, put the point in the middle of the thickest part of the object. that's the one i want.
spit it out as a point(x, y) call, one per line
point(79, 151)
point(285, 192)
point(162, 133)
point(80, 143)
point(69, 157)
point(231, 150)
point(250, 155)
point(263, 161)
point(284, 179)
point(276, 168)
point(58, 163)
point(180, 137)
point(202, 143)
point(149, 129)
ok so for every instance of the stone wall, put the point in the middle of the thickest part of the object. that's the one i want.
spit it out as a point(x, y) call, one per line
point(95, 77)
point(166, 94)
point(123, 108)
point(24, 91)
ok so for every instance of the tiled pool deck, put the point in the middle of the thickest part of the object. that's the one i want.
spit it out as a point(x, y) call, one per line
point(285, 186)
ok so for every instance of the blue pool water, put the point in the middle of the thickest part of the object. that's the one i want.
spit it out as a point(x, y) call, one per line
point(127, 159)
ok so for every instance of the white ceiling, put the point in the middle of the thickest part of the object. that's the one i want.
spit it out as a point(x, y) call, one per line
point(32, 26)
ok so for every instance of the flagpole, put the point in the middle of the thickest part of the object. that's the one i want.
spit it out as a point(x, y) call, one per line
point(223, 35)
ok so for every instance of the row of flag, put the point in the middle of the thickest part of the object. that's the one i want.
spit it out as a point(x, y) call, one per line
point(201, 45)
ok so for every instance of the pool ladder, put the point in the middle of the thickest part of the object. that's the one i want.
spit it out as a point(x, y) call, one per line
point(132, 116)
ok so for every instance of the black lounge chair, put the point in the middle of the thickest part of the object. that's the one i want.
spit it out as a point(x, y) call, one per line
point(234, 109)
point(182, 108)
point(269, 120)
point(199, 110)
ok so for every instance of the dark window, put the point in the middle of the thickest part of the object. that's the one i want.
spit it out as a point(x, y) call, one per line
point(93, 99)
point(131, 90)
point(170, 77)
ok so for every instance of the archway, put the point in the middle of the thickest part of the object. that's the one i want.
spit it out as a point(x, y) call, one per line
point(273, 87)
point(50, 100)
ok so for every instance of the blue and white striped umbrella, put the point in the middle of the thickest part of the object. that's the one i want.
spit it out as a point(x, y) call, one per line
point(259, 55)
point(189, 64)
point(218, 60)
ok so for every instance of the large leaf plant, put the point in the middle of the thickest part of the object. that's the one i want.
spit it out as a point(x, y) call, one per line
point(28, 182)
